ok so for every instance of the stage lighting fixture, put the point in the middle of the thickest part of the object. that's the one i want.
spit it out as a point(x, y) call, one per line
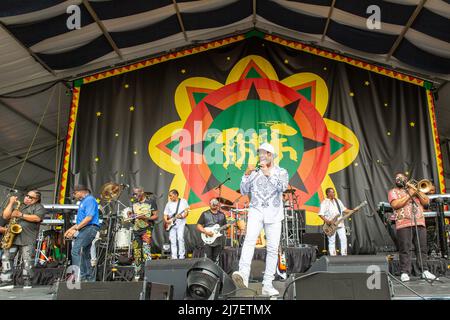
point(204, 281)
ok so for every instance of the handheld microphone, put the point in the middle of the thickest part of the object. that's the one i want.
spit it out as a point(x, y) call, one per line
point(13, 190)
point(126, 186)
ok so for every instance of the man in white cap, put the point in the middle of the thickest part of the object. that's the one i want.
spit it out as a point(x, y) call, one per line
point(265, 185)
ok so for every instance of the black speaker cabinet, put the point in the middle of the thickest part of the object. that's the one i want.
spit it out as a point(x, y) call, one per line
point(157, 291)
point(340, 286)
point(357, 263)
point(174, 273)
point(108, 290)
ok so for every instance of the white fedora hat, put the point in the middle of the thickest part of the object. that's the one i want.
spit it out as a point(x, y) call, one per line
point(267, 147)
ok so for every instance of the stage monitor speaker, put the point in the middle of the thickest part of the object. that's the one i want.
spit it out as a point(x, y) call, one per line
point(157, 291)
point(108, 290)
point(357, 263)
point(316, 239)
point(174, 272)
point(340, 286)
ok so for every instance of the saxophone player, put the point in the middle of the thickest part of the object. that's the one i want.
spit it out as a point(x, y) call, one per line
point(29, 217)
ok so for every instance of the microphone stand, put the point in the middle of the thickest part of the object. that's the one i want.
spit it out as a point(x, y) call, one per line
point(220, 186)
point(440, 214)
point(419, 250)
point(220, 195)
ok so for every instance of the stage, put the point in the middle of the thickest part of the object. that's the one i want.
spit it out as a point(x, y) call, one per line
point(439, 290)
point(298, 259)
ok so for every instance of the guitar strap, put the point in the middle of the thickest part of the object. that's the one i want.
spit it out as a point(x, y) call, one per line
point(338, 206)
point(178, 206)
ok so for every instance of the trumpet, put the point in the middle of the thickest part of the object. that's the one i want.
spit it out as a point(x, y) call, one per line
point(423, 186)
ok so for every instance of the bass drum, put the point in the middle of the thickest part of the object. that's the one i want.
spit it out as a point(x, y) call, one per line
point(123, 239)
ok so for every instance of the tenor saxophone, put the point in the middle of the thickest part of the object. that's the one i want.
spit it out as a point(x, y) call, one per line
point(12, 230)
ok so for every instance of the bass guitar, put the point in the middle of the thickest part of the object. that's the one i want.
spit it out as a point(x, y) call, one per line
point(330, 229)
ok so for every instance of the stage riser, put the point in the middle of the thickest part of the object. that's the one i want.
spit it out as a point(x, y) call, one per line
point(346, 264)
point(338, 286)
point(107, 290)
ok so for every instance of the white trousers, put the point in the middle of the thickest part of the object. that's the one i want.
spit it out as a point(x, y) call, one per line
point(343, 240)
point(255, 224)
point(176, 234)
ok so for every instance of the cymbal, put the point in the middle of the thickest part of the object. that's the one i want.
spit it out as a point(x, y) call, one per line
point(110, 191)
point(239, 210)
point(225, 201)
point(289, 191)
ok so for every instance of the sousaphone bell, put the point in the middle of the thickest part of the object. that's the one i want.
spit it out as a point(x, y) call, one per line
point(110, 191)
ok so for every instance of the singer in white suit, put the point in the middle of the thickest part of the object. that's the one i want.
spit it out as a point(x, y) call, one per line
point(265, 185)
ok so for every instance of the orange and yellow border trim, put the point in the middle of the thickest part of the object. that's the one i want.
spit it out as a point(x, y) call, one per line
point(436, 142)
point(226, 41)
point(164, 58)
point(69, 140)
point(337, 57)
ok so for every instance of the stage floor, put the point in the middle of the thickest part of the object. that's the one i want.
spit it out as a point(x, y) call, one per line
point(439, 290)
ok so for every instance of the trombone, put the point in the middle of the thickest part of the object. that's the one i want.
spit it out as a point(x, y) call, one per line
point(422, 186)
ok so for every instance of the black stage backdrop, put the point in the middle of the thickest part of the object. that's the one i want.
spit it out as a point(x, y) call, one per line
point(332, 123)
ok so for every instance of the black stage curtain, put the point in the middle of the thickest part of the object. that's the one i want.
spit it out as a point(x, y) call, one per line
point(118, 116)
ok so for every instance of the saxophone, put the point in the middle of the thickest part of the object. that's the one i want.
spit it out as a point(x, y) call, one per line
point(13, 229)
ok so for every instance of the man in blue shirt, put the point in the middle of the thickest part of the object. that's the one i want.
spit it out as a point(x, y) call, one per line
point(84, 232)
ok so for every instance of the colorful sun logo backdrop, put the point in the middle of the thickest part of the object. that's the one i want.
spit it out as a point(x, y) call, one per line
point(222, 125)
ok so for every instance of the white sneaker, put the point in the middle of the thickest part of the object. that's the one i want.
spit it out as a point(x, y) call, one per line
point(239, 280)
point(404, 277)
point(427, 275)
point(7, 286)
point(270, 291)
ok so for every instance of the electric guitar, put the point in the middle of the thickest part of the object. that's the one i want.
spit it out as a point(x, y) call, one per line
point(171, 223)
point(282, 265)
point(330, 229)
point(216, 229)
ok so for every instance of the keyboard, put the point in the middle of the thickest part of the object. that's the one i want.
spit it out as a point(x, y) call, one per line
point(61, 206)
point(431, 214)
point(53, 222)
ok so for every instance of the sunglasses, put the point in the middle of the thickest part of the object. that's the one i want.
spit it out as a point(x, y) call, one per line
point(31, 197)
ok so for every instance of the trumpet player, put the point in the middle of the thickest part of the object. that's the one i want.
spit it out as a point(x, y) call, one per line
point(408, 202)
point(142, 230)
point(28, 216)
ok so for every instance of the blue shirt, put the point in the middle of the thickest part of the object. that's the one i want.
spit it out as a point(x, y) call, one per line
point(88, 207)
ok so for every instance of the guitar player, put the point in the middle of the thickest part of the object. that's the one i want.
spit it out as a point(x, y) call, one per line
point(176, 208)
point(210, 218)
point(329, 209)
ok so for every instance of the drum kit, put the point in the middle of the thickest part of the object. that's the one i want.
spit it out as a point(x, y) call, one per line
point(292, 226)
point(117, 230)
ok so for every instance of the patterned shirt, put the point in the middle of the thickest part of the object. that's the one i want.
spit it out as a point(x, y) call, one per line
point(266, 193)
point(404, 216)
point(140, 223)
